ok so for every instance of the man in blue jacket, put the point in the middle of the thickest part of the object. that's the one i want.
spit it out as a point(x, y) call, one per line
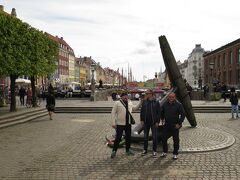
point(150, 118)
point(172, 115)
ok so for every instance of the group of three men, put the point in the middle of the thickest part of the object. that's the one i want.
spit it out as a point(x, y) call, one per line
point(170, 115)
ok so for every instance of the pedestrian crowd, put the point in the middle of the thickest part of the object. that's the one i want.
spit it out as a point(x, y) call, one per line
point(170, 116)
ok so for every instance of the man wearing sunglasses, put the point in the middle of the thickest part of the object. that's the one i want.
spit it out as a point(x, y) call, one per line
point(150, 117)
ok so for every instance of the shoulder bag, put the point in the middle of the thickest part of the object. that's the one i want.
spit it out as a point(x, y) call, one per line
point(132, 121)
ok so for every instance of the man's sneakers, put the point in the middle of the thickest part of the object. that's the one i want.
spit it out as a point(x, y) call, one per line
point(163, 155)
point(175, 157)
point(144, 153)
point(113, 154)
point(129, 153)
point(154, 154)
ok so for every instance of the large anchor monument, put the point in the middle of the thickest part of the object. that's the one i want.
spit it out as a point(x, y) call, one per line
point(177, 80)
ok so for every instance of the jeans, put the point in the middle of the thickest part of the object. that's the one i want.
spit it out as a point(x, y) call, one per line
point(234, 108)
point(154, 136)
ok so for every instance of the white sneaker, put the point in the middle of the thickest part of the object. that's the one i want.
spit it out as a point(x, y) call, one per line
point(175, 157)
point(154, 154)
point(163, 155)
point(144, 153)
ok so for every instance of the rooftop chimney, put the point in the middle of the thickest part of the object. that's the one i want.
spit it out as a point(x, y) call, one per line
point(198, 45)
point(1, 8)
point(13, 13)
point(61, 38)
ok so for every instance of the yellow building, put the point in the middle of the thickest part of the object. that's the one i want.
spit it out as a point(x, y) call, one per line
point(71, 66)
point(83, 75)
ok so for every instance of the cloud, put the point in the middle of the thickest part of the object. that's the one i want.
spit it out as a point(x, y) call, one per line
point(149, 43)
point(66, 18)
point(141, 51)
point(126, 32)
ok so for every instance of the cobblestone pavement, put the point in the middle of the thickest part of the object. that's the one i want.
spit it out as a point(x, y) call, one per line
point(72, 146)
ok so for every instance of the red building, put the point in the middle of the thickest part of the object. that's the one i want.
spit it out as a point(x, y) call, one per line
point(62, 72)
point(223, 65)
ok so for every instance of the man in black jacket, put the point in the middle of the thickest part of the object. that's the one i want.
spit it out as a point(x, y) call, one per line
point(22, 94)
point(172, 115)
point(234, 103)
point(150, 118)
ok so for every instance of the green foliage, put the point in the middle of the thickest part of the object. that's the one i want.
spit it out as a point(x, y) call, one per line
point(13, 49)
point(216, 96)
point(25, 50)
point(43, 54)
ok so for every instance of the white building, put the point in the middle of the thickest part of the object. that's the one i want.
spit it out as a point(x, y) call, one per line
point(195, 66)
point(183, 69)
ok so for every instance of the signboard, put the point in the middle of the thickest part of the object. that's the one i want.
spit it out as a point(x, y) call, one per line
point(150, 84)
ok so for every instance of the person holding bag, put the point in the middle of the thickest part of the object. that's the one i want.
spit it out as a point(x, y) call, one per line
point(121, 121)
point(50, 103)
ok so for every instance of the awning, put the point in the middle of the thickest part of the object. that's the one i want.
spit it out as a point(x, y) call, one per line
point(23, 81)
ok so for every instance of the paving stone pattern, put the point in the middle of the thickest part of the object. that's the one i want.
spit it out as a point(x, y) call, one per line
point(72, 146)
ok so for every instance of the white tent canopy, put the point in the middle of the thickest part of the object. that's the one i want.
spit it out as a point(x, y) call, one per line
point(23, 81)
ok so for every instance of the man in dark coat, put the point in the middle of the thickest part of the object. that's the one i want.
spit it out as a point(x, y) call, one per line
point(224, 90)
point(234, 103)
point(150, 118)
point(22, 94)
point(172, 115)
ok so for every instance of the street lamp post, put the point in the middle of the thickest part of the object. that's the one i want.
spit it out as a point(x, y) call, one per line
point(92, 82)
point(211, 66)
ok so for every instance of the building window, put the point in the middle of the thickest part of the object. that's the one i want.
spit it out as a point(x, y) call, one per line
point(230, 57)
point(230, 77)
point(219, 60)
point(214, 62)
point(238, 56)
point(238, 77)
point(224, 77)
point(224, 59)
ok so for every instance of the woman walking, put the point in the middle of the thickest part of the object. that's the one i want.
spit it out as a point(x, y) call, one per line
point(50, 104)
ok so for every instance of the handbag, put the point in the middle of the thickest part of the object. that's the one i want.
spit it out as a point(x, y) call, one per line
point(132, 121)
point(50, 106)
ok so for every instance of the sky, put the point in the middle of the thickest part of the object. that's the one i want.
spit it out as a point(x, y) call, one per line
point(122, 33)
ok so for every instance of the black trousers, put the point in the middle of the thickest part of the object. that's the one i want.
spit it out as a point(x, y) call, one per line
point(167, 133)
point(22, 100)
point(119, 133)
point(154, 136)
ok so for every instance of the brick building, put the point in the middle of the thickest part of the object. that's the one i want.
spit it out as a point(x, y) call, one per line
point(66, 61)
point(225, 64)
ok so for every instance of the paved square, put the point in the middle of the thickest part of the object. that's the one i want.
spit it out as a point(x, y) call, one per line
point(72, 146)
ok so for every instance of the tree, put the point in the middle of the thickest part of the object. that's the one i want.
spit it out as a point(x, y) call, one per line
point(13, 50)
point(24, 51)
point(43, 57)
